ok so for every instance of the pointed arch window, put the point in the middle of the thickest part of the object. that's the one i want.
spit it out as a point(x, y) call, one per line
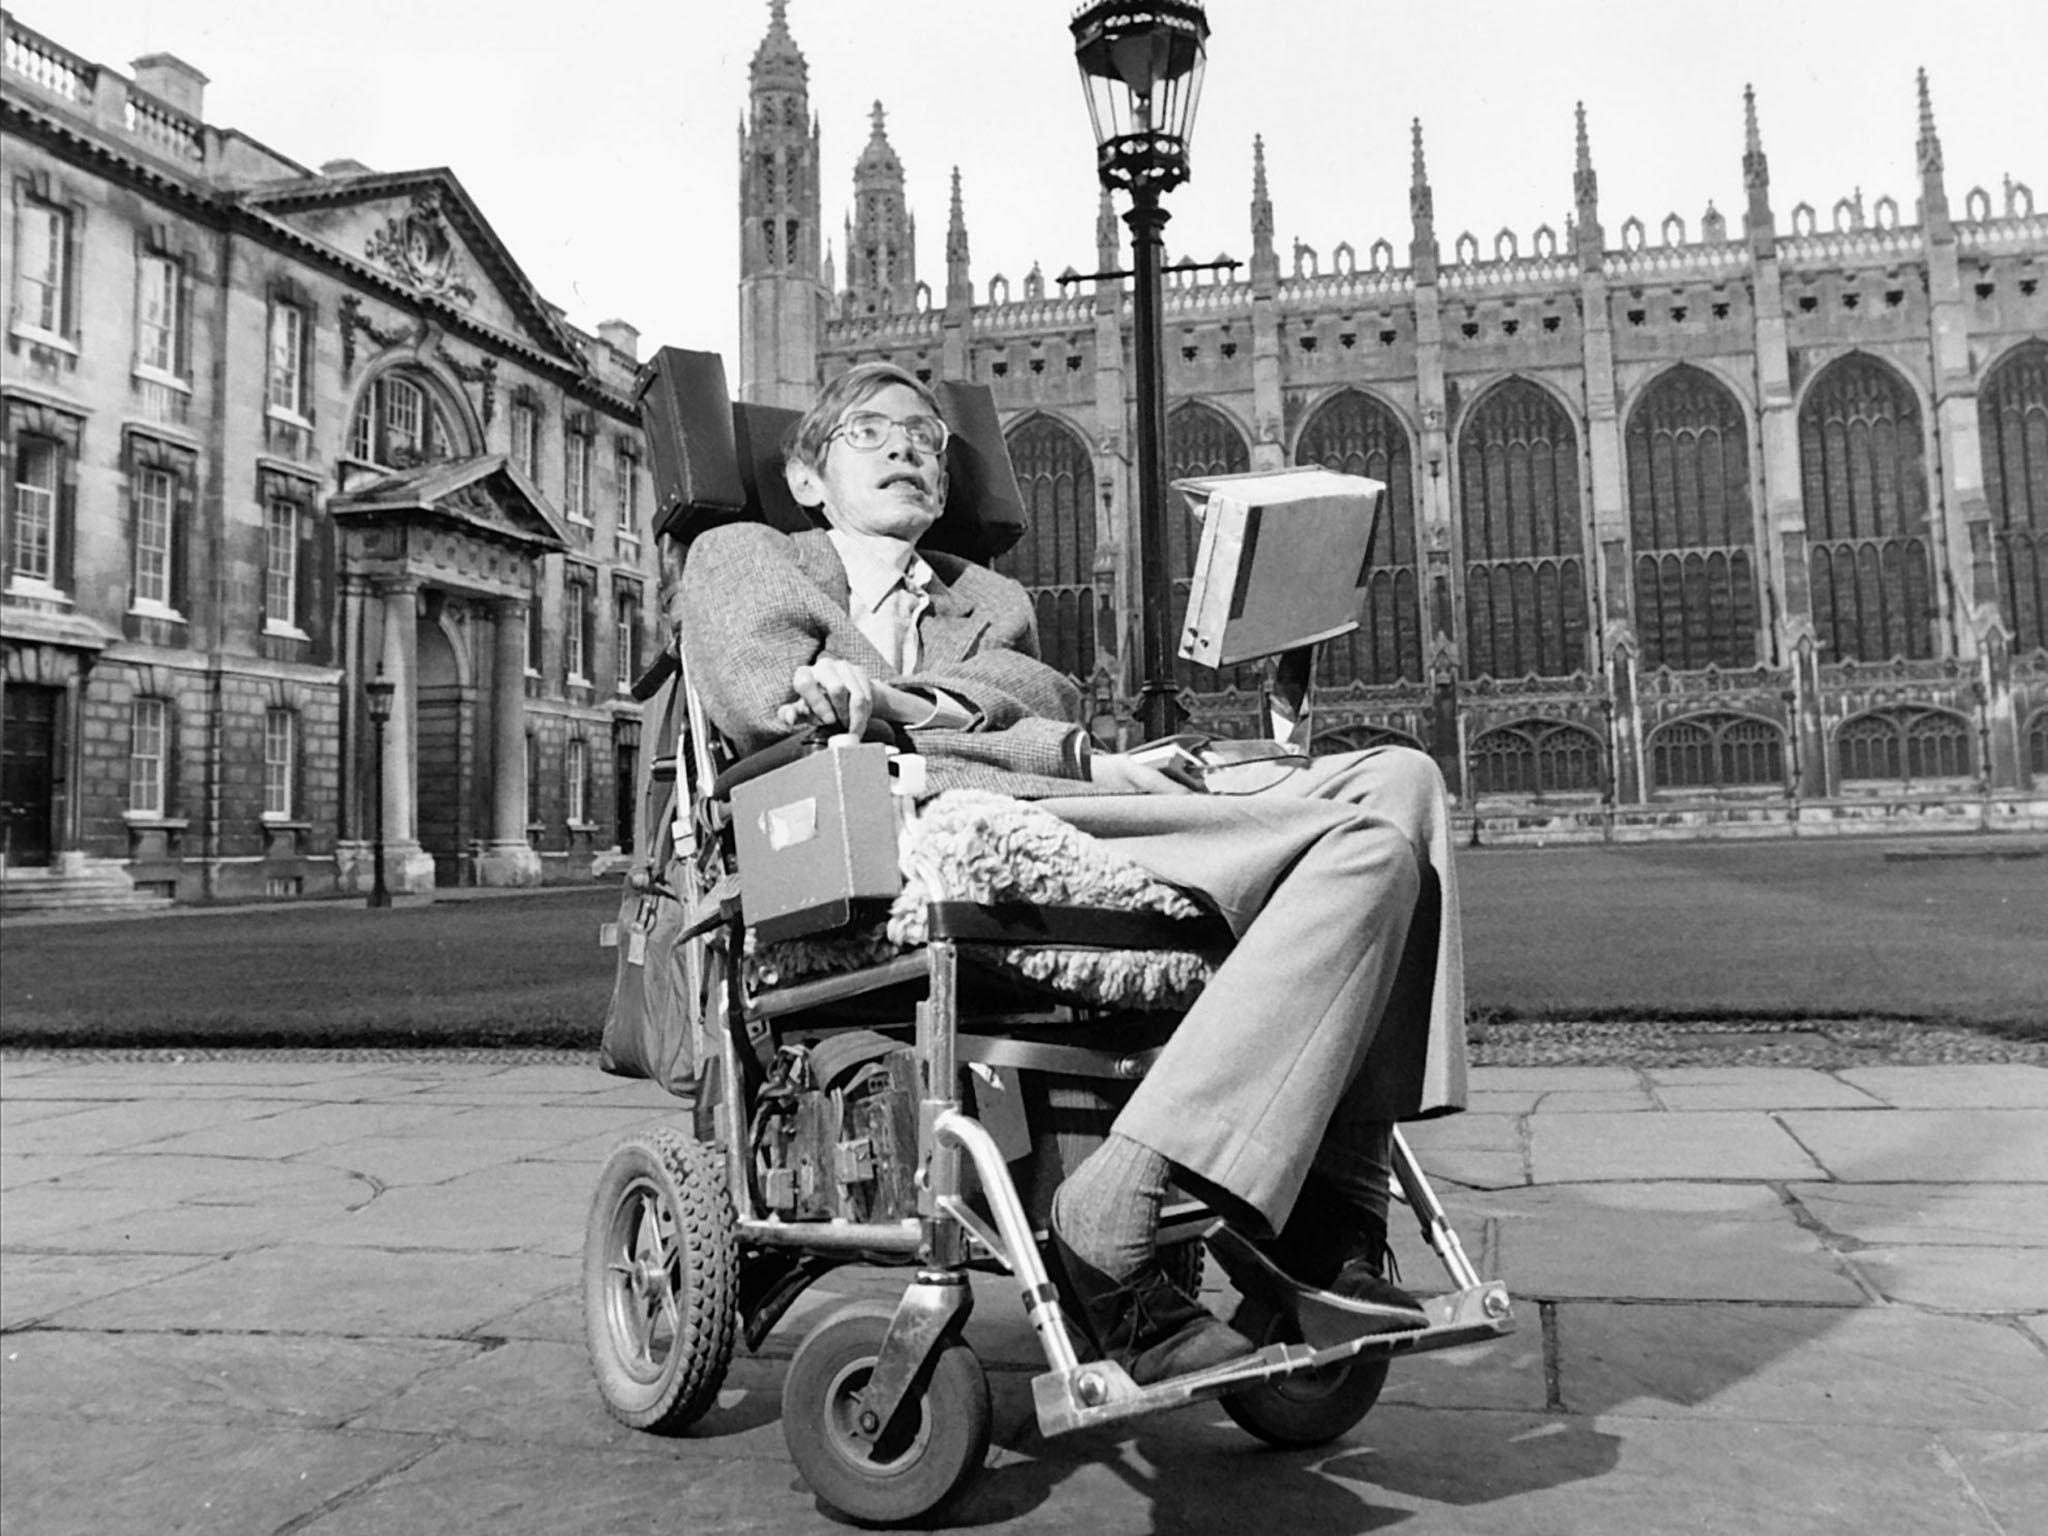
point(1200, 440)
point(1904, 745)
point(1691, 521)
point(1055, 560)
point(1357, 435)
point(2012, 419)
point(1865, 488)
point(1536, 758)
point(1518, 511)
point(1715, 751)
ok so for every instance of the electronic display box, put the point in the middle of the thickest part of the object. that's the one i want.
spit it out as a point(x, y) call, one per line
point(1283, 561)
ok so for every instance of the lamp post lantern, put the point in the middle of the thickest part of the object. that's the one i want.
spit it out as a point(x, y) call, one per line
point(1141, 70)
point(379, 691)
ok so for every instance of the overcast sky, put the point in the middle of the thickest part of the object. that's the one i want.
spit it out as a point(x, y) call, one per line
point(599, 137)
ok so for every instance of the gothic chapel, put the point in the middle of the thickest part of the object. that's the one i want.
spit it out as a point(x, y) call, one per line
point(1695, 526)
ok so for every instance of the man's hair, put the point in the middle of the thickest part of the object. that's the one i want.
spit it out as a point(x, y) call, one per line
point(858, 385)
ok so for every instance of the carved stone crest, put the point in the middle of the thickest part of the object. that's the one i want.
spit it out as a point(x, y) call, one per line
point(419, 250)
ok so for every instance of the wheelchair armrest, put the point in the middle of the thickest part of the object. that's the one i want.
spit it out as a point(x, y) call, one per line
point(792, 748)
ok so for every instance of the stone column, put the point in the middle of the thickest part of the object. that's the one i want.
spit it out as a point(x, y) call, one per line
point(407, 866)
point(508, 859)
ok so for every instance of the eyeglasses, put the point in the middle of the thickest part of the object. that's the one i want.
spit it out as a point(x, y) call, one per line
point(868, 431)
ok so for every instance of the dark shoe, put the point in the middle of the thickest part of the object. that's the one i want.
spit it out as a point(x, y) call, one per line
point(1143, 1322)
point(1359, 1283)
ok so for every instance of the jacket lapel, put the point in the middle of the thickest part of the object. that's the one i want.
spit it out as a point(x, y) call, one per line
point(950, 629)
point(820, 561)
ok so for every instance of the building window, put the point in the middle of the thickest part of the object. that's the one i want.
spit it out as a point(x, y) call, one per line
point(627, 534)
point(525, 422)
point(1537, 757)
point(576, 770)
point(1355, 434)
point(288, 372)
point(156, 494)
point(536, 636)
point(532, 783)
point(1865, 487)
point(1717, 750)
point(1518, 505)
point(398, 426)
point(580, 637)
point(148, 744)
point(1055, 560)
point(160, 316)
point(280, 762)
point(1904, 745)
point(2012, 421)
point(626, 637)
point(576, 485)
point(280, 563)
point(42, 272)
point(32, 525)
point(1689, 515)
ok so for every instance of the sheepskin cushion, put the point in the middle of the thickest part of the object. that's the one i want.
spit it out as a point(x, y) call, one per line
point(970, 845)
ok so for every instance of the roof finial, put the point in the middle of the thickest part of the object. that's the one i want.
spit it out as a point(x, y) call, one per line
point(877, 116)
point(1258, 165)
point(1585, 184)
point(778, 14)
point(1930, 142)
point(1752, 136)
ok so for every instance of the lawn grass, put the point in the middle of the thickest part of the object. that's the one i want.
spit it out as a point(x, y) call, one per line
point(1711, 932)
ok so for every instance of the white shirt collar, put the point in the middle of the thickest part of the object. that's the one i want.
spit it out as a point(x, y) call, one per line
point(876, 566)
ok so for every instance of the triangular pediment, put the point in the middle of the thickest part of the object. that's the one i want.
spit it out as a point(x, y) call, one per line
point(487, 496)
point(421, 231)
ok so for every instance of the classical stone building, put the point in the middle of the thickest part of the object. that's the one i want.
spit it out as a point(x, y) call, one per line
point(268, 432)
point(1693, 524)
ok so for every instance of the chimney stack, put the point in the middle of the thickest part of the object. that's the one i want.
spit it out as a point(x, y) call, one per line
point(173, 82)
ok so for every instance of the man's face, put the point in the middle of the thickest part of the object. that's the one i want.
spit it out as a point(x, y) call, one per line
point(895, 491)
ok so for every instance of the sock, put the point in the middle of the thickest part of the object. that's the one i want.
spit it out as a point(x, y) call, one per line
point(1108, 1208)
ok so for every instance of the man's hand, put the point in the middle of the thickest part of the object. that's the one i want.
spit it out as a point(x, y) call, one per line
point(1113, 770)
point(830, 691)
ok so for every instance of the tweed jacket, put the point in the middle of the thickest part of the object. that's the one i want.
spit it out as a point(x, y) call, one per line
point(757, 604)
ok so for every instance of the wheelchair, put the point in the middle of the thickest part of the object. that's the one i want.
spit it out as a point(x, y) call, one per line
point(884, 1081)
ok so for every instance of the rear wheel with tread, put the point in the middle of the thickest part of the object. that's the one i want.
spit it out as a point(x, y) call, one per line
point(661, 1279)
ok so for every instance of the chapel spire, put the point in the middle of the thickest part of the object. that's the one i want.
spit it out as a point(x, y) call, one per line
point(1421, 212)
point(1934, 215)
point(1586, 196)
point(1758, 223)
point(1265, 266)
point(780, 223)
point(959, 283)
point(881, 242)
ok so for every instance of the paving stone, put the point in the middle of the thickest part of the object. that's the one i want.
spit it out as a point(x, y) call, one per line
point(1519, 1475)
point(64, 1476)
point(2005, 1085)
point(2037, 1326)
point(555, 1318)
point(15, 1113)
point(530, 1205)
point(409, 1160)
point(1654, 1241)
point(129, 1124)
point(298, 1288)
point(284, 1130)
point(1511, 1102)
point(1566, 1101)
point(39, 1168)
point(217, 1378)
point(1958, 1279)
point(1706, 1144)
point(1792, 1365)
point(523, 1392)
point(550, 1127)
point(1800, 1090)
point(1957, 1146)
point(2015, 1215)
point(40, 1285)
point(2006, 1472)
point(1553, 1079)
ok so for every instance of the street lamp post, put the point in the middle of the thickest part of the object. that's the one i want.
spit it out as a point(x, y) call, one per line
point(379, 690)
point(1141, 70)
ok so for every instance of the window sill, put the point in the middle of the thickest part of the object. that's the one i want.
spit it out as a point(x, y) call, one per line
point(148, 375)
point(284, 821)
point(148, 610)
point(38, 589)
point(582, 826)
point(155, 821)
point(289, 418)
point(35, 336)
point(577, 680)
point(282, 631)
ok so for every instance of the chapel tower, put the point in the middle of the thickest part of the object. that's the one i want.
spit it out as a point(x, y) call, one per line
point(881, 234)
point(782, 301)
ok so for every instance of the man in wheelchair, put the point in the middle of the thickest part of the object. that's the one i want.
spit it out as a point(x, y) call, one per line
point(1338, 1011)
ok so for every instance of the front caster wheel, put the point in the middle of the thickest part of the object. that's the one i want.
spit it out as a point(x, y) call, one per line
point(1311, 1407)
point(661, 1280)
point(874, 1473)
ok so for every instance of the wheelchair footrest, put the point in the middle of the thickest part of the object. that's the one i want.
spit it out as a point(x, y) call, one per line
point(1100, 1391)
